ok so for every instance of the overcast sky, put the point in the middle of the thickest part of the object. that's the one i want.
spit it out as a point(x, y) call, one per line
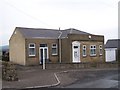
point(92, 16)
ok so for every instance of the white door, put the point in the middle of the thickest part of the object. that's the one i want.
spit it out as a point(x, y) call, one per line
point(43, 54)
point(76, 51)
point(110, 55)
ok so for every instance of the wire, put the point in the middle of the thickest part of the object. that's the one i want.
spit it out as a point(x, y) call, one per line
point(21, 11)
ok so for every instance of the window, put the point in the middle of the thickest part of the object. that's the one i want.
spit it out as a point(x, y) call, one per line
point(84, 50)
point(100, 49)
point(93, 50)
point(31, 49)
point(54, 49)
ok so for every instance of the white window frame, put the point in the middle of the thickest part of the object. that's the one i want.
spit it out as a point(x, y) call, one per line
point(84, 49)
point(55, 47)
point(100, 50)
point(32, 48)
point(94, 49)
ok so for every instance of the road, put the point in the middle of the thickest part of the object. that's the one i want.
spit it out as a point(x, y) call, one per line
point(97, 79)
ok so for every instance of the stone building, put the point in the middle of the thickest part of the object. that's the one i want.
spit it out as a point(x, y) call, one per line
point(29, 46)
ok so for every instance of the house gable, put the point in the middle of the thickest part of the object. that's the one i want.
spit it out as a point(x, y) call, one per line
point(17, 48)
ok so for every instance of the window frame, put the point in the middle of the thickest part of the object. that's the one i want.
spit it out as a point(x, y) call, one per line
point(84, 55)
point(32, 48)
point(100, 50)
point(54, 47)
point(94, 50)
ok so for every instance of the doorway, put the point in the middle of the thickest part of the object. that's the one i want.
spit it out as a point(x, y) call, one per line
point(43, 54)
point(75, 51)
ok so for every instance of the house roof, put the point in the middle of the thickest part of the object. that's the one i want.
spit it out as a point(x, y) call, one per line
point(47, 33)
point(72, 31)
point(113, 43)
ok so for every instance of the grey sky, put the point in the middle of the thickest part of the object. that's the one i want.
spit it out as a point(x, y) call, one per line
point(93, 16)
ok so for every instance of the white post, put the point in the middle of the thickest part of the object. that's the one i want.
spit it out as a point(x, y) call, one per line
point(43, 58)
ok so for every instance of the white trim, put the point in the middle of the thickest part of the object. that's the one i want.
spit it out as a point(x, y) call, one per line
point(31, 48)
point(32, 55)
point(33, 44)
point(77, 51)
point(43, 48)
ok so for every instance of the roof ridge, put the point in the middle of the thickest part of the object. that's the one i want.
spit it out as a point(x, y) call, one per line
point(36, 28)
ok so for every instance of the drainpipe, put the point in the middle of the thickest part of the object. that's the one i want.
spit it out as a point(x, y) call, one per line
point(59, 38)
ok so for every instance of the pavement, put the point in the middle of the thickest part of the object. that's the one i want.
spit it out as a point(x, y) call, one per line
point(32, 77)
point(36, 77)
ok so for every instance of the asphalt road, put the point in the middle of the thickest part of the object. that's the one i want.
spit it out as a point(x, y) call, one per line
point(97, 79)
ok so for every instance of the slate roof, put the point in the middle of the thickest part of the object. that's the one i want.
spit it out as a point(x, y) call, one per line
point(47, 33)
point(113, 43)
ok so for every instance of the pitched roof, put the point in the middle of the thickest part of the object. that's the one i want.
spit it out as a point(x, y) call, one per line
point(72, 31)
point(47, 33)
point(113, 43)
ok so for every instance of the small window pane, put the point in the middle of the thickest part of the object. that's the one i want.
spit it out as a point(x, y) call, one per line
point(32, 51)
point(54, 51)
point(43, 45)
point(32, 45)
point(75, 46)
point(54, 45)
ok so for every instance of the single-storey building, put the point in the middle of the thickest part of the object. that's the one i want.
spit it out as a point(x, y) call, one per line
point(112, 47)
point(29, 46)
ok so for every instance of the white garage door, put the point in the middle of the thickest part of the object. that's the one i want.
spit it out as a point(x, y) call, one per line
point(110, 55)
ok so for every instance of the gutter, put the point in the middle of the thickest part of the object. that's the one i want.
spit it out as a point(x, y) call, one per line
point(59, 38)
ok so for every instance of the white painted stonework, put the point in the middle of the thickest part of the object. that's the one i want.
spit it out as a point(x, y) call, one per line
point(75, 51)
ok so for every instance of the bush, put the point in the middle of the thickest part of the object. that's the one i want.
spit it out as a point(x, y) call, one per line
point(5, 56)
point(9, 72)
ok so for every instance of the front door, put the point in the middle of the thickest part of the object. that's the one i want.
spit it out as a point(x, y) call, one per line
point(76, 51)
point(43, 54)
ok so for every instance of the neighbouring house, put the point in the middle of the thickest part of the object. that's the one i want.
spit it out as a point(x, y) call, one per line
point(112, 48)
point(29, 46)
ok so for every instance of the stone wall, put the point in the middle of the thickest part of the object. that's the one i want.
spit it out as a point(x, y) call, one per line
point(9, 71)
point(81, 65)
